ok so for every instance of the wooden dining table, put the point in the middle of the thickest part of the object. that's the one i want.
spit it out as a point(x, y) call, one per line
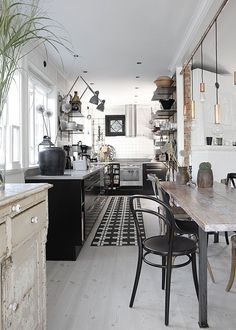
point(213, 209)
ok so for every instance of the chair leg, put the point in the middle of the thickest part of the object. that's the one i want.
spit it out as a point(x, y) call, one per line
point(210, 271)
point(194, 271)
point(216, 237)
point(226, 238)
point(137, 276)
point(232, 272)
point(167, 295)
point(163, 277)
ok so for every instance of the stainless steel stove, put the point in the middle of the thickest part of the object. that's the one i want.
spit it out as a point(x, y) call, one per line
point(131, 171)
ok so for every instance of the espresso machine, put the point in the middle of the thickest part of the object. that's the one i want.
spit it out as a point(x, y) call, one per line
point(84, 150)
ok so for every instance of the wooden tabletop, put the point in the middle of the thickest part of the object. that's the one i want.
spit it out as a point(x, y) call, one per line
point(213, 209)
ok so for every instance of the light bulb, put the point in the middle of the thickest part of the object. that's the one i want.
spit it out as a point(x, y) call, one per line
point(202, 97)
point(217, 113)
point(193, 109)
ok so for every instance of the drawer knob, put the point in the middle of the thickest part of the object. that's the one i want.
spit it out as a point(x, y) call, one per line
point(34, 220)
point(16, 208)
point(13, 307)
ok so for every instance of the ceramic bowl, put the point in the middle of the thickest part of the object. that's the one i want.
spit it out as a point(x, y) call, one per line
point(167, 104)
point(71, 125)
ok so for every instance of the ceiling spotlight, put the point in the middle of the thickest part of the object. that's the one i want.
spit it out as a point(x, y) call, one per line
point(76, 55)
point(85, 71)
point(101, 106)
point(92, 83)
point(137, 77)
point(94, 99)
point(139, 62)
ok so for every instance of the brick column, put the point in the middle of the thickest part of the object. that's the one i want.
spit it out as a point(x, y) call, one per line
point(187, 112)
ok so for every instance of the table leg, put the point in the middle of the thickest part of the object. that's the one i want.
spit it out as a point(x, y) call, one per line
point(202, 279)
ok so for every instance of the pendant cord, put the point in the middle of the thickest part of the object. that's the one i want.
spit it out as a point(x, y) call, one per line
point(216, 52)
point(201, 63)
point(192, 78)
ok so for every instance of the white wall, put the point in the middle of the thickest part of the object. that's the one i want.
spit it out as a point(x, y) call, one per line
point(222, 158)
point(139, 146)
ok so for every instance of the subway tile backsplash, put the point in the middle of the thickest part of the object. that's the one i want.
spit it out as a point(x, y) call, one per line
point(132, 147)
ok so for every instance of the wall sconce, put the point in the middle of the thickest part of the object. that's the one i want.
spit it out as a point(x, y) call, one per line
point(94, 99)
point(217, 113)
point(192, 100)
point(202, 84)
point(101, 105)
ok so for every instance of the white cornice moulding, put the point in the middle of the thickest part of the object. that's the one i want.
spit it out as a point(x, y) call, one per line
point(194, 31)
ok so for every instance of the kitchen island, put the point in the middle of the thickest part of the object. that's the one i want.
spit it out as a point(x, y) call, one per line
point(75, 201)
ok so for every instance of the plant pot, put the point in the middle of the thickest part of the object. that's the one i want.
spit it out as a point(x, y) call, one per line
point(52, 161)
point(205, 178)
point(182, 176)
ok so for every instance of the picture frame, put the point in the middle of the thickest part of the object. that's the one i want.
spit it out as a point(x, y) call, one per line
point(115, 125)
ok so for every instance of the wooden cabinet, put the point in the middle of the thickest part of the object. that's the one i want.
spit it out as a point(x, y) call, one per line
point(22, 252)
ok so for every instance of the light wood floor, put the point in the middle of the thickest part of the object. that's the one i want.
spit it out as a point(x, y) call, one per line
point(93, 292)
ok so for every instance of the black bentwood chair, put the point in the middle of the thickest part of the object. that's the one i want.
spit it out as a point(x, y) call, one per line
point(230, 179)
point(166, 246)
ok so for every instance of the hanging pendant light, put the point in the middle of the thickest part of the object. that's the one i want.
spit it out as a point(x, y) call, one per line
point(192, 100)
point(202, 84)
point(217, 113)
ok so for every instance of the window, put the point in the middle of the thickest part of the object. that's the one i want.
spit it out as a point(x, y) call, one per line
point(38, 95)
point(13, 131)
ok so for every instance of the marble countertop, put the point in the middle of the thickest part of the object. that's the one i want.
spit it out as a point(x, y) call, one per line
point(15, 191)
point(71, 174)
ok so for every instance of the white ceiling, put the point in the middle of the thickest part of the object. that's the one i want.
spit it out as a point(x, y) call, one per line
point(111, 36)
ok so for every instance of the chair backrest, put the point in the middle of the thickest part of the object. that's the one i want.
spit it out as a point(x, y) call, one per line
point(167, 217)
point(230, 179)
point(157, 189)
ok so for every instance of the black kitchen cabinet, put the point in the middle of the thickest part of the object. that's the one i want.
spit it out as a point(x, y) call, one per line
point(157, 168)
point(73, 210)
point(94, 200)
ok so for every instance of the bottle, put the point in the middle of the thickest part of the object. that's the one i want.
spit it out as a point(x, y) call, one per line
point(75, 102)
point(46, 143)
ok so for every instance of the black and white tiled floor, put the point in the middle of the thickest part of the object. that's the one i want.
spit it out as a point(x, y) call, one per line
point(117, 225)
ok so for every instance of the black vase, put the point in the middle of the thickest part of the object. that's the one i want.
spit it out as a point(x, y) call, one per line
point(52, 161)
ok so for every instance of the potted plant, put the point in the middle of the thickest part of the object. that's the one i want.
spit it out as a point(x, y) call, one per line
point(22, 29)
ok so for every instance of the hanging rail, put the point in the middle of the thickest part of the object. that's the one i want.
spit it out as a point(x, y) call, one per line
point(204, 35)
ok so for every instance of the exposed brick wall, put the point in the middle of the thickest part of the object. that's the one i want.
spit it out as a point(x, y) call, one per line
point(187, 112)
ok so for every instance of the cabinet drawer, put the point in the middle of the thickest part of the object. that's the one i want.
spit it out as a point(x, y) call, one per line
point(23, 204)
point(28, 222)
point(3, 240)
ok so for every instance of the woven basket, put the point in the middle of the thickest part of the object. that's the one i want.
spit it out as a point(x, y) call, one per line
point(163, 81)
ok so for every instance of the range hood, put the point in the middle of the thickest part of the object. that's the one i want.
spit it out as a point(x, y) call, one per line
point(130, 120)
